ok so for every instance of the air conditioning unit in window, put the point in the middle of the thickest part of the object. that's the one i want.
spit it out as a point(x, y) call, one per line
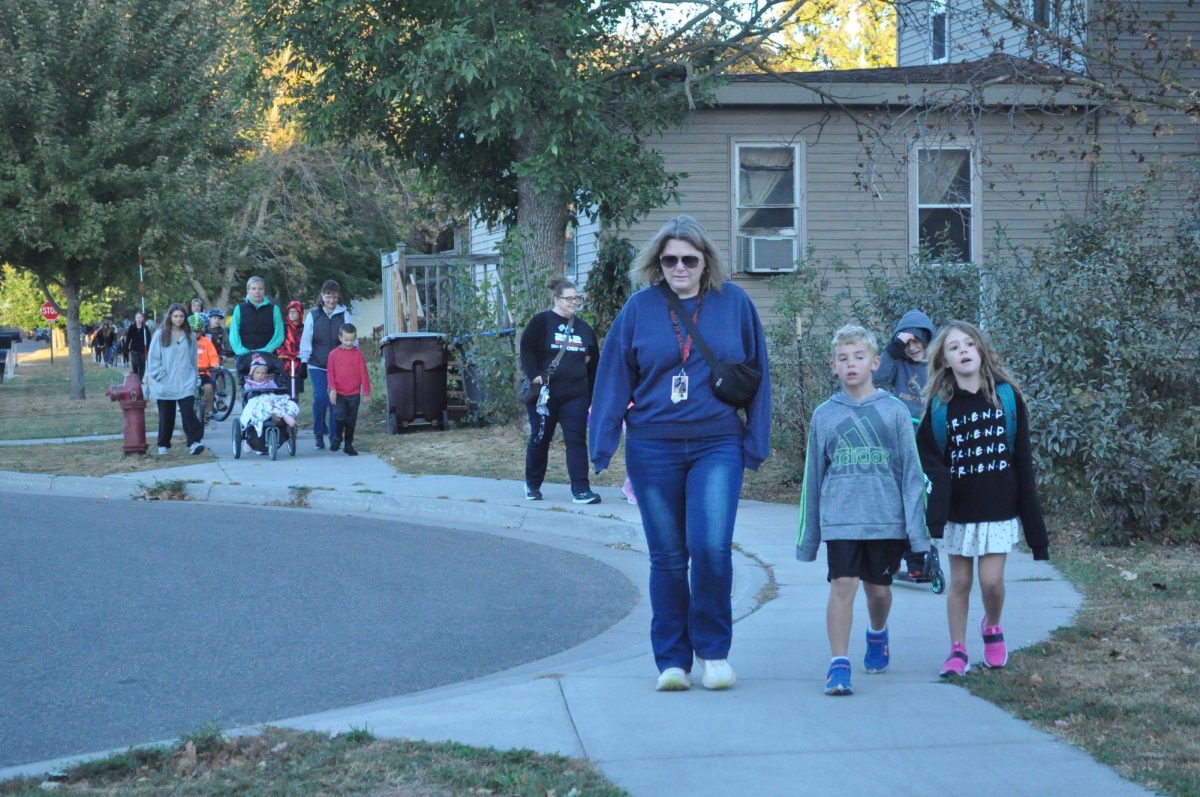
point(768, 255)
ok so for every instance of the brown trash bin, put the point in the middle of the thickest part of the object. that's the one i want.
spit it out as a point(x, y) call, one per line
point(414, 364)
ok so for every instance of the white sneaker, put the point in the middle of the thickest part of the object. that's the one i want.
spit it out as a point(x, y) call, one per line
point(163, 450)
point(673, 679)
point(717, 674)
point(196, 448)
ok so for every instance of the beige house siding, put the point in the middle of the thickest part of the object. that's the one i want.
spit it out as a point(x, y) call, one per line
point(367, 314)
point(974, 33)
point(858, 206)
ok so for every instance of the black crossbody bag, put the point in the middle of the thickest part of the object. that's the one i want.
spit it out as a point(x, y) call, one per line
point(528, 392)
point(732, 382)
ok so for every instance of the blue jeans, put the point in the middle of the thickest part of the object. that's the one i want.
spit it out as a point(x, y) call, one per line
point(322, 409)
point(687, 494)
point(572, 415)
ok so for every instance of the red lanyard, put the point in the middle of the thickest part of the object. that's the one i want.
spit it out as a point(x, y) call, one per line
point(685, 347)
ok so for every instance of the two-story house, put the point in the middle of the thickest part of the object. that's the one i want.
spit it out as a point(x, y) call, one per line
point(982, 126)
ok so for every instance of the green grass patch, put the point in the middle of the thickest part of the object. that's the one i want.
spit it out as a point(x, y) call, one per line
point(281, 761)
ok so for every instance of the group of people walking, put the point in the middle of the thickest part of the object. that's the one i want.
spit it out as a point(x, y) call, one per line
point(187, 347)
point(684, 375)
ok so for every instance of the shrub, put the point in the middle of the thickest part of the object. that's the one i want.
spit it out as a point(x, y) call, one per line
point(608, 283)
point(1101, 328)
point(817, 299)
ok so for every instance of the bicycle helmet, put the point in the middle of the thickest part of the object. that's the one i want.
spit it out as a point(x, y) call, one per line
point(197, 322)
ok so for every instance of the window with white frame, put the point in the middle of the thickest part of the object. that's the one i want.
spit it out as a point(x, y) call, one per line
point(946, 208)
point(939, 32)
point(768, 206)
point(1044, 12)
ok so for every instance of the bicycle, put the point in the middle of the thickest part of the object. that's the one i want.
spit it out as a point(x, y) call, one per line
point(224, 396)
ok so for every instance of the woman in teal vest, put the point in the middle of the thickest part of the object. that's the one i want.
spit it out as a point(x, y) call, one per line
point(257, 324)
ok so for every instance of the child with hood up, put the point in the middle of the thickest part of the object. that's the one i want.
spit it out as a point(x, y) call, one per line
point(289, 352)
point(903, 371)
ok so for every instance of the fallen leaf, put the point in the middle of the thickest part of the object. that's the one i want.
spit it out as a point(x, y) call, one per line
point(1062, 725)
point(279, 748)
point(1035, 680)
point(1129, 575)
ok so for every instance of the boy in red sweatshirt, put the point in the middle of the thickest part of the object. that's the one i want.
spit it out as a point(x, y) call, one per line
point(349, 384)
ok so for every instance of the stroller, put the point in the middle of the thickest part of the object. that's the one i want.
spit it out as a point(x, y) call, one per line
point(275, 431)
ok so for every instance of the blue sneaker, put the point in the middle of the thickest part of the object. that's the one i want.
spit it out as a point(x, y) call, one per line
point(837, 681)
point(878, 655)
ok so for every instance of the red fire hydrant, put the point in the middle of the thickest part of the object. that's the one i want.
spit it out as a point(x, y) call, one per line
point(133, 405)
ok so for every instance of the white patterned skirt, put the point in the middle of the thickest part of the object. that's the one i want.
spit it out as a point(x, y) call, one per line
point(977, 539)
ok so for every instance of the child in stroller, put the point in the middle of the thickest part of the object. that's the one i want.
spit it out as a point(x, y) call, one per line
point(268, 418)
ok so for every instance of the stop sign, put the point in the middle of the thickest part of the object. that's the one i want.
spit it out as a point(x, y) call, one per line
point(48, 312)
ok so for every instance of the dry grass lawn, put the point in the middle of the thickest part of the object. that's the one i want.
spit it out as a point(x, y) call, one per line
point(1122, 681)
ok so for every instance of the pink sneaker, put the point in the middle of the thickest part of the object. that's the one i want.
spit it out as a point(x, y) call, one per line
point(995, 654)
point(957, 664)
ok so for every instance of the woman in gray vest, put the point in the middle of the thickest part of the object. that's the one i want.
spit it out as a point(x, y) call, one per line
point(257, 324)
point(321, 327)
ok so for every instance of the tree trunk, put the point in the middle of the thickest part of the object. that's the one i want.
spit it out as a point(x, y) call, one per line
point(74, 340)
point(542, 225)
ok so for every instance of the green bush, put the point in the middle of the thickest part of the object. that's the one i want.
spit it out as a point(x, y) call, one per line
point(1100, 326)
point(820, 297)
point(608, 283)
point(488, 357)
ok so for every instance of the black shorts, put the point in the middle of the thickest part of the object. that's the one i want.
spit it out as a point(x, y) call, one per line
point(873, 561)
point(206, 379)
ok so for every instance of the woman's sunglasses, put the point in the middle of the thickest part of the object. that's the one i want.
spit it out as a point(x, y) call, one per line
point(671, 261)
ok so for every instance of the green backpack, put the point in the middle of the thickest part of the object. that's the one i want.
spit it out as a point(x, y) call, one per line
point(1008, 402)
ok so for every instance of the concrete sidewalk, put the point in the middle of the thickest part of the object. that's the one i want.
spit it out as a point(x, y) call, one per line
point(774, 733)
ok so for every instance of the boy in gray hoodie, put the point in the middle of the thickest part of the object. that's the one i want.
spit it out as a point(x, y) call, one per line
point(864, 494)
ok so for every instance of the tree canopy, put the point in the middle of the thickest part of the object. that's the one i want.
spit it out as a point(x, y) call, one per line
point(110, 114)
point(519, 110)
point(838, 34)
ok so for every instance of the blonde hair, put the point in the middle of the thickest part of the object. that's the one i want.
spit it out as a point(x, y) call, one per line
point(941, 382)
point(647, 271)
point(853, 333)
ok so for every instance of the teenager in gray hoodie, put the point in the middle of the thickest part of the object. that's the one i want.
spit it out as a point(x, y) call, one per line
point(864, 495)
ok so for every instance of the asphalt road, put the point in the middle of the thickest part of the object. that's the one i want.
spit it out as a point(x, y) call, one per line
point(124, 623)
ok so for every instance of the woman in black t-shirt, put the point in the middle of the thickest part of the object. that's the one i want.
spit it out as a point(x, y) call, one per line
point(570, 382)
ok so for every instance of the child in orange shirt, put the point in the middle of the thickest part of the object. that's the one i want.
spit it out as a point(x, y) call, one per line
point(206, 360)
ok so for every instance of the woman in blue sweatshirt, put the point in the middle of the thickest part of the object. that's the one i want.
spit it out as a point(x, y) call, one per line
point(685, 449)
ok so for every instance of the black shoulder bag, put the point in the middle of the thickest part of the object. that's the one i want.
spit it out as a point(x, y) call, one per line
point(732, 382)
point(528, 392)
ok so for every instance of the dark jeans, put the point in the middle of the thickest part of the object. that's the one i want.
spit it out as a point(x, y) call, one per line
point(322, 410)
point(345, 416)
point(572, 416)
point(137, 364)
point(687, 493)
point(193, 432)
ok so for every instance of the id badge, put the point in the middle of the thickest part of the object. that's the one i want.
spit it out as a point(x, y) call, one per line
point(679, 388)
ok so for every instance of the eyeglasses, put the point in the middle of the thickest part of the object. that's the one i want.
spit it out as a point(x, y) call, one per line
point(573, 299)
point(671, 261)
